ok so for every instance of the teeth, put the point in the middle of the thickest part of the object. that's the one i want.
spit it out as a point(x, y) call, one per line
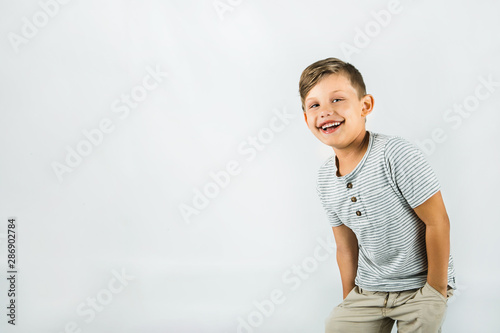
point(331, 124)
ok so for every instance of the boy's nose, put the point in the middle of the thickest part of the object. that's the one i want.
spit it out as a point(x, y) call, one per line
point(324, 112)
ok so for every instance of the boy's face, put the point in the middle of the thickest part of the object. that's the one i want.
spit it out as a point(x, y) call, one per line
point(334, 99)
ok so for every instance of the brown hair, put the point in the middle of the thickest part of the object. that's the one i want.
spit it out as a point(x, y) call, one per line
point(316, 71)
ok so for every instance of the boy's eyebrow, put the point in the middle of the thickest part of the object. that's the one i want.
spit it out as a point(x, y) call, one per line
point(312, 97)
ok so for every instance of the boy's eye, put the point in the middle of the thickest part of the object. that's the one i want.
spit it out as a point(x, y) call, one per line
point(336, 99)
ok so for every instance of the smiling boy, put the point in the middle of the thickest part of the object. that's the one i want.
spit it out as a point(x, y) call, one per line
point(384, 204)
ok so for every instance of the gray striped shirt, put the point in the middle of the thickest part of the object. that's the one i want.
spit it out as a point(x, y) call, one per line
point(376, 201)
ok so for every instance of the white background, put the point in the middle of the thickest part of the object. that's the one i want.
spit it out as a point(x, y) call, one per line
point(228, 74)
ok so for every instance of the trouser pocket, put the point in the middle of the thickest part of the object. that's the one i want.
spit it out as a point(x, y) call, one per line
point(435, 292)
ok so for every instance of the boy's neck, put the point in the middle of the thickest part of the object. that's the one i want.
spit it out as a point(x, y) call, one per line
point(348, 158)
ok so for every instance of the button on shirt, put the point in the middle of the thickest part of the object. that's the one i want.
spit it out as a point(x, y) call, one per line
point(376, 202)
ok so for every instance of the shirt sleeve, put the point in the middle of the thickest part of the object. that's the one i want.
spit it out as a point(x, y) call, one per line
point(333, 218)
point(410, 171)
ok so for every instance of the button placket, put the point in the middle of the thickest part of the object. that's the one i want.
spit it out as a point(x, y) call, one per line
point(354, 199)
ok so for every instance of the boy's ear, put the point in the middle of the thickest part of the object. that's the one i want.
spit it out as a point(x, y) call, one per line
point(305, 117)
point(367, 104)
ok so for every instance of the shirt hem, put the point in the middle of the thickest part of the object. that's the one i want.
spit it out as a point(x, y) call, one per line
point(451, 283)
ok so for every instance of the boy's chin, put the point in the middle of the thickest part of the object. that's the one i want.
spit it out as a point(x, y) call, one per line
point(328, 142)
point(331, 141)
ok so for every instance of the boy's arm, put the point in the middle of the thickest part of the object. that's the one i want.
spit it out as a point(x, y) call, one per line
point(347, 256)
point(437, 237)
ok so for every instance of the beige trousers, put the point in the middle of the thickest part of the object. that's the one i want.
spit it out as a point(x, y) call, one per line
point(416, 310)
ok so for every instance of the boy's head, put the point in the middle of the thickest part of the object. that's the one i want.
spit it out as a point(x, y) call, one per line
point(334, 91)
point(315, 72)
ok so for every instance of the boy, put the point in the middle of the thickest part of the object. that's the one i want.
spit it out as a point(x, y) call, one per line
point(385, 207)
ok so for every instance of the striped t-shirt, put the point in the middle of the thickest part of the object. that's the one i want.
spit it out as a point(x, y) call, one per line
point(376, 201)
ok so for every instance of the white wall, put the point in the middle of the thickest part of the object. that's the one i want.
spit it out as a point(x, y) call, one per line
point(224, 77)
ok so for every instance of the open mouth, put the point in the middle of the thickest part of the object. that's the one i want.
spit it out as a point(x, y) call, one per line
point(330, 128)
